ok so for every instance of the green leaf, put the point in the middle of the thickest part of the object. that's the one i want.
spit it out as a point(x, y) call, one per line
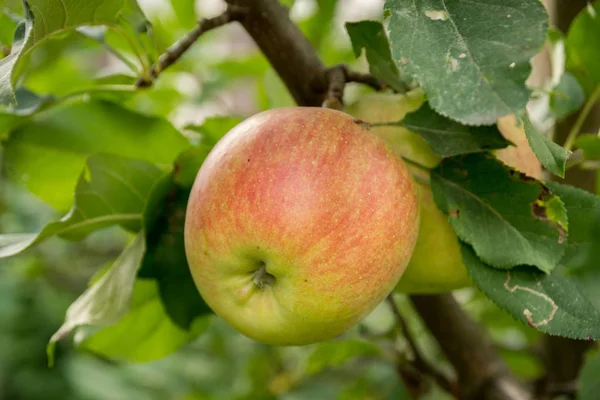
point(371, 36)
point(107, 300)
point(567, 97)
point(583, 209)
point(7, 29)
point(28, 103)
point(335, 353)
point(113, 191)
point(47, 152)
point(45, 18)
point(589, 384)
point(185, 12)
point(166, 262)
point(472, 58)
point(590, 144)
point(449, 138)
point(495, 208)
point(582, 44)
point(550, 303)
point(145, 333)
point(552, 156)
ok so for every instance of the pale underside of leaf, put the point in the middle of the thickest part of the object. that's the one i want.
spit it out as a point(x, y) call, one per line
point(107, 300)
point(44, 18)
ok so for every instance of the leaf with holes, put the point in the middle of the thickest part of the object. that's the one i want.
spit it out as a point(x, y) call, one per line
point(371, 36)
point(565, 302)
point(495, 208)
point(449, 138)
point(113, 191)
point(554, 303)
point(472, 58)
point(552, 156)
point(44, 18)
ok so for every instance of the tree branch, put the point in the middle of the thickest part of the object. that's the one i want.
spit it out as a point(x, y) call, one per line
point(175, 51)
point(337, 77)
point(287, 49)
point(482, 374)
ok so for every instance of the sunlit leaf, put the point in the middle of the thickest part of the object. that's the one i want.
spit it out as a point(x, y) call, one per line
point(45, 18)
point(145, 333)
point(48, 152)
point(112, 191)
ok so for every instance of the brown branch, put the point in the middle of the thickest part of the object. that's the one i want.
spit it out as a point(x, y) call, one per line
point(419, 362)
point(336, 81)
point(482, 374)
point(337, 77)
point(366, 79)
point(287, 49)
point(175, 51)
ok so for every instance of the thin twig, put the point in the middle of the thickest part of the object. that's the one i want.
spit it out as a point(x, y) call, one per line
point(419, 362)
point(175, 51)
point(576, 128)
point(366, 79)
point(337, 76)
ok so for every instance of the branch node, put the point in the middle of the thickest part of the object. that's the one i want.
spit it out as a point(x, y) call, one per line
point(337, 76)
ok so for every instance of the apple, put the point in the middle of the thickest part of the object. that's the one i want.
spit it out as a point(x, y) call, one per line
point(300, 222)
point(436, 265)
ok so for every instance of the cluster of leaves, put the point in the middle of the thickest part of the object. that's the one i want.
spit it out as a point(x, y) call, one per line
point(527, 244)
point(128, 166)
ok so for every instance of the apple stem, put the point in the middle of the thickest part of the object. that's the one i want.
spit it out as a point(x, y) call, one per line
point(262, 278)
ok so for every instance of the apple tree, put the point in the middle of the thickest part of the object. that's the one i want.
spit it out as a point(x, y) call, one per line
point(110, 108)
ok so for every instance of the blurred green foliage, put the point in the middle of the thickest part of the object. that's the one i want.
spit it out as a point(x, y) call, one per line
point(89, 72)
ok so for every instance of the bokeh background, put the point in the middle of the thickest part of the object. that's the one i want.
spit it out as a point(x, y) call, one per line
point(223, 74)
